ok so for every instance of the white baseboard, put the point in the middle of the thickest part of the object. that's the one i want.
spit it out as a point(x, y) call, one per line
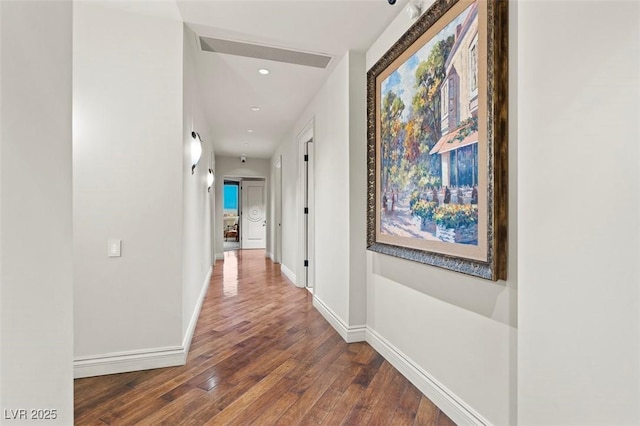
point(219, 256)
point(123, 362)
point(188, 336)
point(269, 255)
point(288, 273)
point(349, 334)
point(447, 401)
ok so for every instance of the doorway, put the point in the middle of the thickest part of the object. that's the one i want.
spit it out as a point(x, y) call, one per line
point(254, 214)
point(231, 230)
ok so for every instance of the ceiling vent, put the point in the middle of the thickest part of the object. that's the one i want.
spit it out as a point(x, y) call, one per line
point(257, 51)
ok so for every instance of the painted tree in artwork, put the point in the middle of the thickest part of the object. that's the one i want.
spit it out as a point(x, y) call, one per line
point(423, 129)
point(392, 132)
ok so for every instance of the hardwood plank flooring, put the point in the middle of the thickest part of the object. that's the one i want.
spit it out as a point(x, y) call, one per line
point(261, 355)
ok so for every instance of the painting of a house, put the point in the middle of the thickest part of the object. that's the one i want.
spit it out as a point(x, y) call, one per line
point(428, 159)
point(458, 145)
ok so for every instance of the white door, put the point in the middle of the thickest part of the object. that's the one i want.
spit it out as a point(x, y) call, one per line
point(254, 217)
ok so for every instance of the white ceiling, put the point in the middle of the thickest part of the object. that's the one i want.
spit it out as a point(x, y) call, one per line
point(231, 85)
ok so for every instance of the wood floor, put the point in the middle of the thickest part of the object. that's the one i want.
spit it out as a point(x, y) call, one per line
point(261, 355)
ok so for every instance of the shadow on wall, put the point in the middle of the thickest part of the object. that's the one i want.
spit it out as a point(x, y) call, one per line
point(470, 293)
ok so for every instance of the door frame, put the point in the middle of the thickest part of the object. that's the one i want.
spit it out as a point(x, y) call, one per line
point(305, 276)
point(277, 214)
point(233, 181)
point(243, 216)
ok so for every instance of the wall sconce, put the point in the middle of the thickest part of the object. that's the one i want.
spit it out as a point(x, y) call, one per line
point(210, 180)
point(196, 150)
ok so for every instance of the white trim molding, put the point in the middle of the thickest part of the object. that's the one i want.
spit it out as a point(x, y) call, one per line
point(272, 257)
point(219, 256)
point(288, 273)
point(145, 359)
point(123, 362)
point(443, 398)
point(188, 336)
point(350, 334)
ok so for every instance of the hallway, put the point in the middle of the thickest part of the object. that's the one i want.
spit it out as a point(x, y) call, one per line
point(261, 355)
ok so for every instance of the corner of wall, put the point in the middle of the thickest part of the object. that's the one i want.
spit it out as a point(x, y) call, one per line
point(349, 333)
point(437, 327)
point(147, 359)
point(357, 188)
point(191, 327)
point(291, 276)
point(455, 408)
point(36, 240)
point(121, 108)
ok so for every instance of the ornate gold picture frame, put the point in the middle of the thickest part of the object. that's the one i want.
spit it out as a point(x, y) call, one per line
point(437, 141)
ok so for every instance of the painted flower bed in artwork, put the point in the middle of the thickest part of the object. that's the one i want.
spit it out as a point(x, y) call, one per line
point(457, 223)
point(425, 211)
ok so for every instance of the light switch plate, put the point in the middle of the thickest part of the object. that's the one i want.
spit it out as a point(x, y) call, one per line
point(113, 247)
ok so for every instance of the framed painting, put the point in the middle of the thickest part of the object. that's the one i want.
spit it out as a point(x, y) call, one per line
point(437, 141)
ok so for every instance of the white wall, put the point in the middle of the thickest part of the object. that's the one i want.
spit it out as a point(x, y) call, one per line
point(447, 329)
point(330, 110)
point(36, 339)
point(357, 188)
point(275, 211)
point(128, 153)
point(577, 354)
point(197, 202)
point(338, 112)
point(579, 194)
point(232, 167)
point(290, 208)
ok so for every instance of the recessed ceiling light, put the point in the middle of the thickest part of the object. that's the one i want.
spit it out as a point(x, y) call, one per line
point(254, 108)
point(264, 71)
point(250, 131)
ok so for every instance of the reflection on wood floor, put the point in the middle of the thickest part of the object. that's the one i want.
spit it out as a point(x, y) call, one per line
point(261, 355)
point(231, 245)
